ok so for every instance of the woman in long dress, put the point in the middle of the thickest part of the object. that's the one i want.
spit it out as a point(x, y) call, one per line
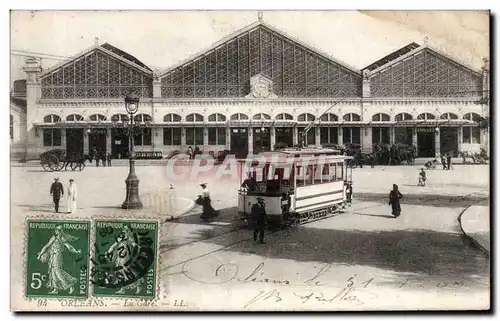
point(72, 193)
point(208, 211)
point(52, 254)
point(394, 197)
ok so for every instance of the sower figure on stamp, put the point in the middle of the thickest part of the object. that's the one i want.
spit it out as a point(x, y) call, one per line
point(124, 251)
point(52, 254)
point(394, 197)
point(72, 193)
point(208, 211)
point(259, 219)
point(56, 191)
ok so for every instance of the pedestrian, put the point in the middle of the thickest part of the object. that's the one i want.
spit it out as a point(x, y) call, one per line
point(208, 210)
point(72, 193)
point(448, 161)
point(443, 161)
point(109, 159)
point(422, 177)
point(285, 206)
point(394, 197)
point(259, 219)
point(190, 152)
point(348, 192)
point(56, 191)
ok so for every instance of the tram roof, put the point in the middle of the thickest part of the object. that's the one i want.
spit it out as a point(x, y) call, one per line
point(298, 154)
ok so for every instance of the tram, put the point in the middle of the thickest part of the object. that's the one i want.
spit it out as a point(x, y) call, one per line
point(297, 186)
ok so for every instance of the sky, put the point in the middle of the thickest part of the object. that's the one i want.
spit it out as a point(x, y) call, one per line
point(163, 38)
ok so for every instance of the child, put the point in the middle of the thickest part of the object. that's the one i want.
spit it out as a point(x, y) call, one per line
point(422, 177)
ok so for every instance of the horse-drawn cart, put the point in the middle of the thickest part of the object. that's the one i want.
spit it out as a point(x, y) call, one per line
point(55, 160)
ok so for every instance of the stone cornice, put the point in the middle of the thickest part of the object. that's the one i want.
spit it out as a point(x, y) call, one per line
point(87, 103)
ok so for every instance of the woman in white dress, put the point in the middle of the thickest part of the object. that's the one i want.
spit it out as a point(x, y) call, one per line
point(72, 193)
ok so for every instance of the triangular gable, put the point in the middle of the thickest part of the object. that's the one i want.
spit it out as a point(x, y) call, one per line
point(104, 49)
point(250, 28)
point(424, 48)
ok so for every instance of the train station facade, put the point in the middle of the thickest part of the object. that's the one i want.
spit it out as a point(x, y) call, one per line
point(252, 90)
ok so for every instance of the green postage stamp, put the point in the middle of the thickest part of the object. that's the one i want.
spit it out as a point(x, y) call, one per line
point(125, 258)
point(58, 258)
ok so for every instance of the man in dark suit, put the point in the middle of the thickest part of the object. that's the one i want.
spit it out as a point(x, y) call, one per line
point(56, 191)
point(259, 219)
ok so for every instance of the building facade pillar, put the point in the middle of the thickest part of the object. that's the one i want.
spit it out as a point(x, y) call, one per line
point(33, 93)
point(157, 140)
point(459, 138)
point(108, 140)
point(366, 139)
point(437, 145)
point(205, 137)
point(85, 142)
point(414, 138)
point(392, 134)
point(63, 138)
point(183, 138)
point(228, 138)
point(340, 131)
point(295, 134)
point(273, 137)
point(250, 140)
point(317, 138)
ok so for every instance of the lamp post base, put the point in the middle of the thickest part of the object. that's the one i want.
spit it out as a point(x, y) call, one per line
point(132, 200)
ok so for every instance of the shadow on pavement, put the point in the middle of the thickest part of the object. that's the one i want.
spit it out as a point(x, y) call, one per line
point(424, 252)
point(423, 199)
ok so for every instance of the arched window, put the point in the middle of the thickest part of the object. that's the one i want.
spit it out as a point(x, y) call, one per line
point(120, 118)
point(194, 117)
point(306, 117)
point(51, 119)
point(403, 117)
point(284, 116)
point(472, 116)
point(329, 117)
point(381, 117)
point(261, 116)
point(74, 117)
point(216, 117)
point(426, 116)
point(97, 117)
point(239, 117)
point(142, 118)
point(449, 116)
point(352, 117)
point(172, 118)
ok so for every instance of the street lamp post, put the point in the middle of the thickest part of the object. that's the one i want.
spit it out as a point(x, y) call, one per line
point(132, 200)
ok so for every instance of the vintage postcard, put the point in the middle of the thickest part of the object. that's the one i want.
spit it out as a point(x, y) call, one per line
point(250, 160)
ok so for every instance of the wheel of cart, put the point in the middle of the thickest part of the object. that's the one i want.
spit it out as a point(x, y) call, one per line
point(52, 160)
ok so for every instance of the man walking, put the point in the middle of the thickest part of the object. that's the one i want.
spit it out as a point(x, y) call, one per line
point(259, 220)
point(56, 191)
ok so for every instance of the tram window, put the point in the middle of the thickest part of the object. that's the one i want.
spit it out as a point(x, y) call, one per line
point(300, 176)
point(340, 172)
point(332, 174)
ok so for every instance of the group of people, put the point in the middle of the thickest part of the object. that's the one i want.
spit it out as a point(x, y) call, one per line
point(57, 192)
point(192, 153)
point(98, 156)
point(446, 161)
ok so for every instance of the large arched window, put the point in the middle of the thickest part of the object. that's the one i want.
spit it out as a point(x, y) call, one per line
point(142, 118)
point(284, 116)
point(51, 119)
point(403, 117)
point(172, 118)
point(352, 117)
point(381, 117)
point(216, 117)
point(261, 116)
point(306, 117)
point(120, 118)
point(97, 117)
point(472, 117)
point(239, 116)
point(74, 117)
point(194, 118)
point(426, 116)
point(449, 116)
point(329, 117)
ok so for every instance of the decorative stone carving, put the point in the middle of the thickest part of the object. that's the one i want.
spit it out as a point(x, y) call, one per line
point(261, 87)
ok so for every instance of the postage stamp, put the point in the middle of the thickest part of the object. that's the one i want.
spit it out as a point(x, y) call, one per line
point(125, 258)
point(58, 258)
